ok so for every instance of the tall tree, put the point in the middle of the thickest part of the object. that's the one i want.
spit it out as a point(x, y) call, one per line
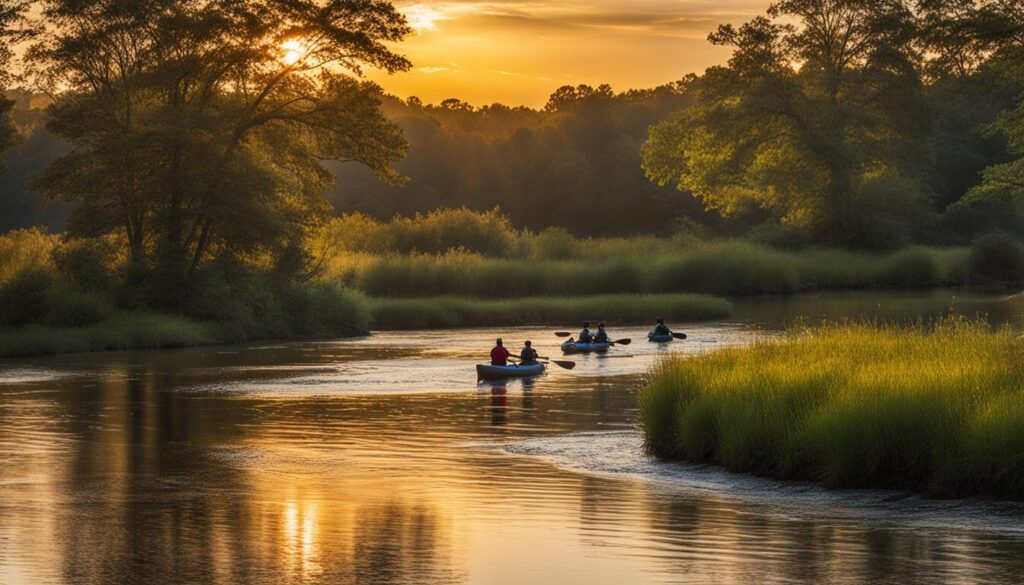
point(817, 118)
point(198, 127)
point(12, 30)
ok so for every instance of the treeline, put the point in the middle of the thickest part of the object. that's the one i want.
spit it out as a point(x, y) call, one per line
point(886, 146)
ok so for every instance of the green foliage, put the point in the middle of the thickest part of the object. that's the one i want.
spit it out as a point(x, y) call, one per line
point(215, 152)
point(997, 258)
point(37, 296)
point(778, 235)
point(626, 266)
point(25, 249)
point(829, 146)
point(489, 233)
point(937, 409)
point(451, 312)
point(135, 330)
point(574, 166)
point(727, 268)
point(24, 299)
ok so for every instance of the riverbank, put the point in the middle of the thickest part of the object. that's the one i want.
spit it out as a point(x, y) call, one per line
point(352, 316)
point(937, 410)
point(452, 312)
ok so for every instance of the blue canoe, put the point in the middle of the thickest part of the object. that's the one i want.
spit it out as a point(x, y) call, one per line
point(573, 347)
point(652, 336)
point(492, 372)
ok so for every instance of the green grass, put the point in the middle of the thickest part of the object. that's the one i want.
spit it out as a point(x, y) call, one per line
point(721, 268)
point(136, 330)
point(935, 409)
point(451, 312)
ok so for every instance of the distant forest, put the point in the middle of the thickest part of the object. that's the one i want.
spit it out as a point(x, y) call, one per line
point(913, 121)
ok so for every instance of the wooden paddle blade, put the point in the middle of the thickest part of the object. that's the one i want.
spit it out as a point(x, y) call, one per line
point(564, 364)
point(563, 334)
point(679, 335)
point(623, 341)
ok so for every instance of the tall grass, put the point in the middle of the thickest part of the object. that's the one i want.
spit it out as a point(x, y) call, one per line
point(938, 409)
point(450, 312)
point(134, 330)
point(722, 267)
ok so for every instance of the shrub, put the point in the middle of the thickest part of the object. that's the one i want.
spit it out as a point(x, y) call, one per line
point(24, 298)
point(26, 249)
point(996, 258)
point(553, 243)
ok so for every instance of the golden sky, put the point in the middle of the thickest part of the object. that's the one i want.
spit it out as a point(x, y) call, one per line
point(519, 51)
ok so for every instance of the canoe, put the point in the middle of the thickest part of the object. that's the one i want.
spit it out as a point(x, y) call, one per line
point(662, 338)
point(573, 347)
point(492, 372)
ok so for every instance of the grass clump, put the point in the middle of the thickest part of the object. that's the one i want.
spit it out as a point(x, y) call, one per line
point(937, 409)
point(451, 312)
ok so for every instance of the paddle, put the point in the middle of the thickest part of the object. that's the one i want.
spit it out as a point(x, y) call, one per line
point(563, 334)
point(560, 363)
point(679, 335)
point(621, 342)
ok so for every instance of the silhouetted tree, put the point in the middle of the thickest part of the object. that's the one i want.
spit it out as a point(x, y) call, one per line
point(198, 127)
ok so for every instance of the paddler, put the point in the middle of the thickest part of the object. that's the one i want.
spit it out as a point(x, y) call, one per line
point(499, 355)
point(528, 356)
point(586, 336)
point(661, 328)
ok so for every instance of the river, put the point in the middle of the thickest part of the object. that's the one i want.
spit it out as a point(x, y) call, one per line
point(382, 460)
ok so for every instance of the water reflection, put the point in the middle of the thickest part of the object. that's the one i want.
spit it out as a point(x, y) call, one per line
point(195, 466)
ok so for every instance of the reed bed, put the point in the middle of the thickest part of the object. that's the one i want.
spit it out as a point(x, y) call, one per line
point(935, 408)
point(722, 267)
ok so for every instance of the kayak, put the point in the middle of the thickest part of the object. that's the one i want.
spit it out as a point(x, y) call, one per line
point(659, 338)
point(574, 347)
point(492, 372)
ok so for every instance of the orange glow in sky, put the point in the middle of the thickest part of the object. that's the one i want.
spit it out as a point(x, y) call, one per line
point(518, 51)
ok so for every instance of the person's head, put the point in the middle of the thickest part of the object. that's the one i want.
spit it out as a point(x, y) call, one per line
point(600, 326)
point(528, 343)
point(586, 324)
point(661, 321)
point(498, 343)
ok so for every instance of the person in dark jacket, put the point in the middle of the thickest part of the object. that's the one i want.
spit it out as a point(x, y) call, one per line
point(601, 336)
point(499, 355)
point(661, 328)
point(528, 356)
point(585, 336)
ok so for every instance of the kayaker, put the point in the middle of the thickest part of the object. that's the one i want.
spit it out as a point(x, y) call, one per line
point(661, 328)
point(586, 336)
point(601, 336)
point(528, 356)
point(499, 355)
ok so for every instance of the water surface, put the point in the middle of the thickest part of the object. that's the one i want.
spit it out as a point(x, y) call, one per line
point(382, 460)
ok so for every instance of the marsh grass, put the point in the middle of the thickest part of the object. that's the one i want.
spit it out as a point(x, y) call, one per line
point(450, 312)
point(934, 408)
point(729, 267)
point(134, 330)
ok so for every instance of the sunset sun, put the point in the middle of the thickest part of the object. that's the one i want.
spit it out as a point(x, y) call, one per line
point(293, 51)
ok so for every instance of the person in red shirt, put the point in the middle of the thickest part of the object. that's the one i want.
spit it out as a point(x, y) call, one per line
point(499, 355)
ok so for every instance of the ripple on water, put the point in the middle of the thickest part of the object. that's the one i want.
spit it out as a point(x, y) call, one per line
point(621, 454)
point(30, 375)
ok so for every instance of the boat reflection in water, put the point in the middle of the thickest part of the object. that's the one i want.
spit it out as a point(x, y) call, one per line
point(378, 461)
